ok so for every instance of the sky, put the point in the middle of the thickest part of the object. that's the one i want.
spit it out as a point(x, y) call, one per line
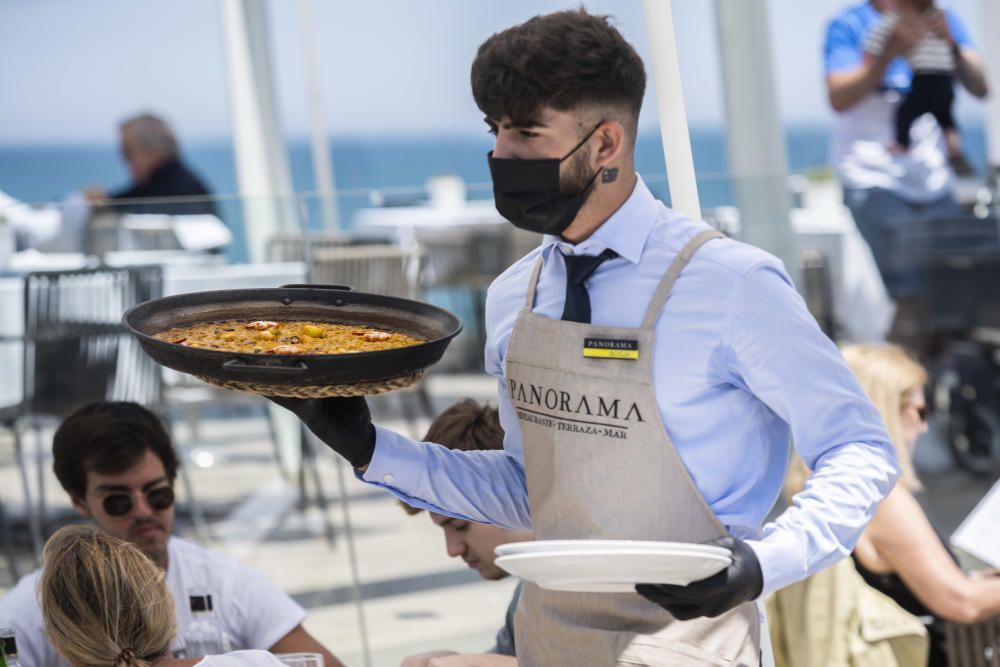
point(70, 70)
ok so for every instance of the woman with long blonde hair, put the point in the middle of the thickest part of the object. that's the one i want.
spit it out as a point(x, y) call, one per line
point(899, 553)
point(106, 604)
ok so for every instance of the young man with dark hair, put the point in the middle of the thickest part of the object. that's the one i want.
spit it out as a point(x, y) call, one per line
point(651, 378)
point(116, 462)
point(469, 427)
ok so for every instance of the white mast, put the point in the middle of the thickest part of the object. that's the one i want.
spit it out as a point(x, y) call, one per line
point(265, 182)
point(755, 139)
point(991, 63)
point(322, 160)
point(666, 76)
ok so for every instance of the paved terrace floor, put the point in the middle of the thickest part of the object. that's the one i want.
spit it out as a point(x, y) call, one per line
point(415, 597)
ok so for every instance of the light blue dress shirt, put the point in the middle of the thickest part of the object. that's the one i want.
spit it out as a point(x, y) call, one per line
point(741, 369)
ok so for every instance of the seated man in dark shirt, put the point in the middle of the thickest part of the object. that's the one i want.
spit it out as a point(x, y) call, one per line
point(150, 150)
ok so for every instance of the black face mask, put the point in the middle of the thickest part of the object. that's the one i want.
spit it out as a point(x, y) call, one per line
point(527, 192)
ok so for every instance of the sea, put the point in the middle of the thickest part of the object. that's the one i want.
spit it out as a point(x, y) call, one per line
point(389, 170)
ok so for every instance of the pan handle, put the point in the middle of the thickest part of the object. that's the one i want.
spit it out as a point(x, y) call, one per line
point(239, 365)
point(342, 288)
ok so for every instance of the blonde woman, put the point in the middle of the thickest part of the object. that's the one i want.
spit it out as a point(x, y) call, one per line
point(899, 553)
point(106, 604)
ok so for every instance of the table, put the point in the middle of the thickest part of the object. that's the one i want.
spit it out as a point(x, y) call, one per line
point(445, 233)
point(408, 224)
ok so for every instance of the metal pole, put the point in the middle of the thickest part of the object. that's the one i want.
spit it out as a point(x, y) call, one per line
point(321, 148)
point(261, 161)
point(991, 63)
point(352, 555)
point(755, 138)
point(670, 100)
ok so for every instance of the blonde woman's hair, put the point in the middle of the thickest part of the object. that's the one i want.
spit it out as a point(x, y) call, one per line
point(104, 602)
point(888, 375)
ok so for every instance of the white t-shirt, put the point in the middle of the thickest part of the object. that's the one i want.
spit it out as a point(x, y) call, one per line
point(240, 659)
point(254, 611)
point(860, 151)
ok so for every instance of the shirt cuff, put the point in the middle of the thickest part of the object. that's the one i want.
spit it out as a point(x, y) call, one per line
point(397, 462)
point(781, 559)
point(398, 466)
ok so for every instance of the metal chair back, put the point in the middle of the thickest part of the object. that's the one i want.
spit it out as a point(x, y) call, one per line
point(76, 349)
point(975, 644)
point(296, 247)
point(379, 268)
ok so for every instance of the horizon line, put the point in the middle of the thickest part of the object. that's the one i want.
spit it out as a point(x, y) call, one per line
point(53, 142)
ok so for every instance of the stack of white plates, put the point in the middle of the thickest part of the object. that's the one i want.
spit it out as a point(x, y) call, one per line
point(610, 566)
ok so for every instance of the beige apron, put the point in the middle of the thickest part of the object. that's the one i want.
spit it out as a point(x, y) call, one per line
point(600, 465)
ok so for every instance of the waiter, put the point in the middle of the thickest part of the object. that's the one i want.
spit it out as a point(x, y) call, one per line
point(651, 376)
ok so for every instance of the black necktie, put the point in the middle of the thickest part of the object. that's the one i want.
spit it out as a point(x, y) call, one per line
point(578, 269)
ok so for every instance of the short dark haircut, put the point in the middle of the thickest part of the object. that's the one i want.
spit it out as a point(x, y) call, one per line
point(467, 426)
point(108, 437)
point(567, 61)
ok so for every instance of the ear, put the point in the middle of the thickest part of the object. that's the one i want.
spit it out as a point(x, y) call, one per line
point(611, 136)
point(80, 507)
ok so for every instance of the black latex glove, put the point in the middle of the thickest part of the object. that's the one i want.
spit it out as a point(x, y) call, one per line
point(741, 582)
point(343, 424)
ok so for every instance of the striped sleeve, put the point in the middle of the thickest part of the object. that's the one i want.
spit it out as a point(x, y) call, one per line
point(879, 36)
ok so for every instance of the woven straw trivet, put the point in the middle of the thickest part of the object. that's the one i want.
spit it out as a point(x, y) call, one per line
point(319, 391)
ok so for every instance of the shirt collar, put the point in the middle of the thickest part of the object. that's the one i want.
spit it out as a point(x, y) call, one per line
point(625, 231)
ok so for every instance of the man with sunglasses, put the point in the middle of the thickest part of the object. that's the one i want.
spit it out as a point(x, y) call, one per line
point(116, 462)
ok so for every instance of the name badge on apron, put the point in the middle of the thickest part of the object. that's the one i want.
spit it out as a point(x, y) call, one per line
point(611, 348)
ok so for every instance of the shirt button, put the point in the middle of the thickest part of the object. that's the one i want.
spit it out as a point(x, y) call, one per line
point(388, 479)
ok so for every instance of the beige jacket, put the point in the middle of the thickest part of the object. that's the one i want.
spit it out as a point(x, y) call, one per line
point(835, 619)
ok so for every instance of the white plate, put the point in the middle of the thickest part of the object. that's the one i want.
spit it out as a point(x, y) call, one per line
point(544, 546)
point(613, 570)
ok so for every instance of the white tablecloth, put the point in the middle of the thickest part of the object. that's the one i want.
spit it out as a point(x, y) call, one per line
point(412, 224)
point(177, 279)
point(444, 233)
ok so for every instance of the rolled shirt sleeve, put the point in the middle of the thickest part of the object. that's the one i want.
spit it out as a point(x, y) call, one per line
point(775, 350)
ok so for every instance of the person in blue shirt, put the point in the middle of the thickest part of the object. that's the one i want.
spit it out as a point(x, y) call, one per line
point(884, 189)
point(651, 377)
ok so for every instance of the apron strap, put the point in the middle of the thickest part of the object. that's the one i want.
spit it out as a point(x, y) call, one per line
point(529, 300)
point(670, 277)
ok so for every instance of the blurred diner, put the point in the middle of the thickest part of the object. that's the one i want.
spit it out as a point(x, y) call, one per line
point(899, 554)
point(152, 154)
point(105, 603)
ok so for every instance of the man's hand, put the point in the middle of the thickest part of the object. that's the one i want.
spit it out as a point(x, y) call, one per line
point(424, 659)
point(741, 582)
point(909, 30)
point(452, 659)
point(343, 424)
point(937, 23)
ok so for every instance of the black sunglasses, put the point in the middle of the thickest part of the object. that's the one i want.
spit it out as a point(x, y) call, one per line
point(120, 504)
